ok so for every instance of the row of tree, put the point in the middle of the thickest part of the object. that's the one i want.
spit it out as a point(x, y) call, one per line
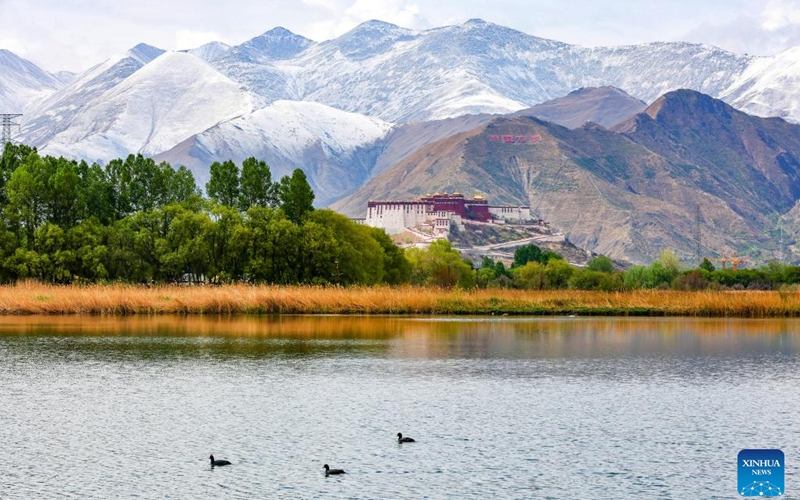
point(134, 220)
point(543, 270)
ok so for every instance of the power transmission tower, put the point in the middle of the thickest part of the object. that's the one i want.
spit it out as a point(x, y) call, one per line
point(7, 121)
point(698, 220)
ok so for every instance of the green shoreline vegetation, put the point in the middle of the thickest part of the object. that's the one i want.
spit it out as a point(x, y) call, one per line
point(136, 225)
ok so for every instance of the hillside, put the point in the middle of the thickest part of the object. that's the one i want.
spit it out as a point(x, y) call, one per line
point(606, 106)
point(629, 192)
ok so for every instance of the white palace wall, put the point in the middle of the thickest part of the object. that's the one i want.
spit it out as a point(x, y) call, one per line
point(396, 217)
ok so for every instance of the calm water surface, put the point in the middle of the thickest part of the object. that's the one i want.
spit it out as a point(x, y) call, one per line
point(555, 408)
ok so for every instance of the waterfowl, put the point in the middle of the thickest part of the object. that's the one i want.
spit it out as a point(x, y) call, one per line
point(329, 471)
point(401, 439)
point(218, 463)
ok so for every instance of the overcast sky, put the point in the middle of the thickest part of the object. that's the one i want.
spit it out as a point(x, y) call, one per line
point(76, 34)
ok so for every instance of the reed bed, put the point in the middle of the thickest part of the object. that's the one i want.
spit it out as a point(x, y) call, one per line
point(34, 298)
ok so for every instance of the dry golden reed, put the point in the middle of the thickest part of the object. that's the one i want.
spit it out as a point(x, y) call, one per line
point(34, 298)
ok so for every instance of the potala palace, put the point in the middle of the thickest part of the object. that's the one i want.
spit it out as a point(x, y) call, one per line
point(434, 214)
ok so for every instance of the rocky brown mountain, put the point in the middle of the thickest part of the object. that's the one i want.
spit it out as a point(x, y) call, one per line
point(687, 165)
point(606, 106)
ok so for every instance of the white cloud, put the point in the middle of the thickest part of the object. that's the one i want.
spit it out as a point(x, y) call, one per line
point(190, 39)
point(14, 45)
point(76, 34)
point(773, 28)
point(780, 13)
point(345, 16)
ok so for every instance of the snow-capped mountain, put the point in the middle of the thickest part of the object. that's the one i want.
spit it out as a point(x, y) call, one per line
point(335, 148)
point(263, 64)
point(167, 101)
point(209, 51)
point(58, 112)
point(23, 83)
point(768, 87)
point(400, 75)
point(205, 104)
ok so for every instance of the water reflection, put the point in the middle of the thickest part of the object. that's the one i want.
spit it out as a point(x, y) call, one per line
point(501, 407)
point(404, 337)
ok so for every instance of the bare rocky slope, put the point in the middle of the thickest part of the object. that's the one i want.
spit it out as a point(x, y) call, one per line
point(687, 162)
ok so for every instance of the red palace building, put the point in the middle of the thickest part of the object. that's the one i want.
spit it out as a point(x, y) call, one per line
point(439, 210)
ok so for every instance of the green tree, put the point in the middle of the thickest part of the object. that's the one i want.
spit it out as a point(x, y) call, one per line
point(439, 265)
point(12, 157)
point(97, 192)
point(183, 188)
point(227, 241)
point(257, 188)
point(395, 265)
point(223, 186)
point(182, 250)
point(274, 249)
point(558, 273)
point(484, 277)
point(528, 253)
point(27, 194)
point(531, 276)
point(119, 177)
point(148, 185)
point(601, 263)
point(88, 243)
point(586, 279)
point(63, 192)
point(707, 265)
point(296, 196)
point(671, 263)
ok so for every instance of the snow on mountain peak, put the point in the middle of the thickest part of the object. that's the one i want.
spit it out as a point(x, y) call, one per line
point(174, 97)
point(151, 101)
point(209, 51)
point(327, 143)
point(768, 86)
point(274, 45)
point(144, 53)
point(22, 83)
point(370, 38)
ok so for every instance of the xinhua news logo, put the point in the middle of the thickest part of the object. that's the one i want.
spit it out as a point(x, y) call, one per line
point(761, 473)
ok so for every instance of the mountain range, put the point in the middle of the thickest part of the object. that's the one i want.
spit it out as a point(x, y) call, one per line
point(689, 173)
point(387, 111)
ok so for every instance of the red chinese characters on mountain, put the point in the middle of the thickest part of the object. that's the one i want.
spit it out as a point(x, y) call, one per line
point(515, 139)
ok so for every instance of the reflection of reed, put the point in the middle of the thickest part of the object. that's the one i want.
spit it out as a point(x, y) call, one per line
point(32, 298)
point(422, 337)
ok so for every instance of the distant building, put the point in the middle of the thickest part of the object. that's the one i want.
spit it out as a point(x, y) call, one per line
point(435, 213)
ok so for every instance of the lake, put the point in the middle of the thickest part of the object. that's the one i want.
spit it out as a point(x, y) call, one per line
point(550, 408)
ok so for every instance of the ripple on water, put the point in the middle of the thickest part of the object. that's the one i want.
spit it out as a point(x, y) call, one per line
point(526, 409)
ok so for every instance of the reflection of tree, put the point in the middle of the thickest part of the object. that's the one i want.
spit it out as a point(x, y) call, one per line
point(164, 337)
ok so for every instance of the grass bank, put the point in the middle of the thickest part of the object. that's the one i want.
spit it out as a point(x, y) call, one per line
point(34, 298)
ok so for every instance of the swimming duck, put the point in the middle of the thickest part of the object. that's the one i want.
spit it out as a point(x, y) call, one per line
point(401, 439)
point(218, 463)
point(329, 471)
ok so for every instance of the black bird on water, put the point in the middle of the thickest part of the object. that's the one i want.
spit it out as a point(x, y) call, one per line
point(218, 463)
point(401, 439)
point(329, 471)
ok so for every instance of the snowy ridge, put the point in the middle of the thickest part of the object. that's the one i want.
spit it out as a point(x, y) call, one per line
point(209, 51)
point(22, 83)
point(195, 107)
point(57, 112)
point(154, 109)
point(768, 87)
point(335, 148)
point(262, 63)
